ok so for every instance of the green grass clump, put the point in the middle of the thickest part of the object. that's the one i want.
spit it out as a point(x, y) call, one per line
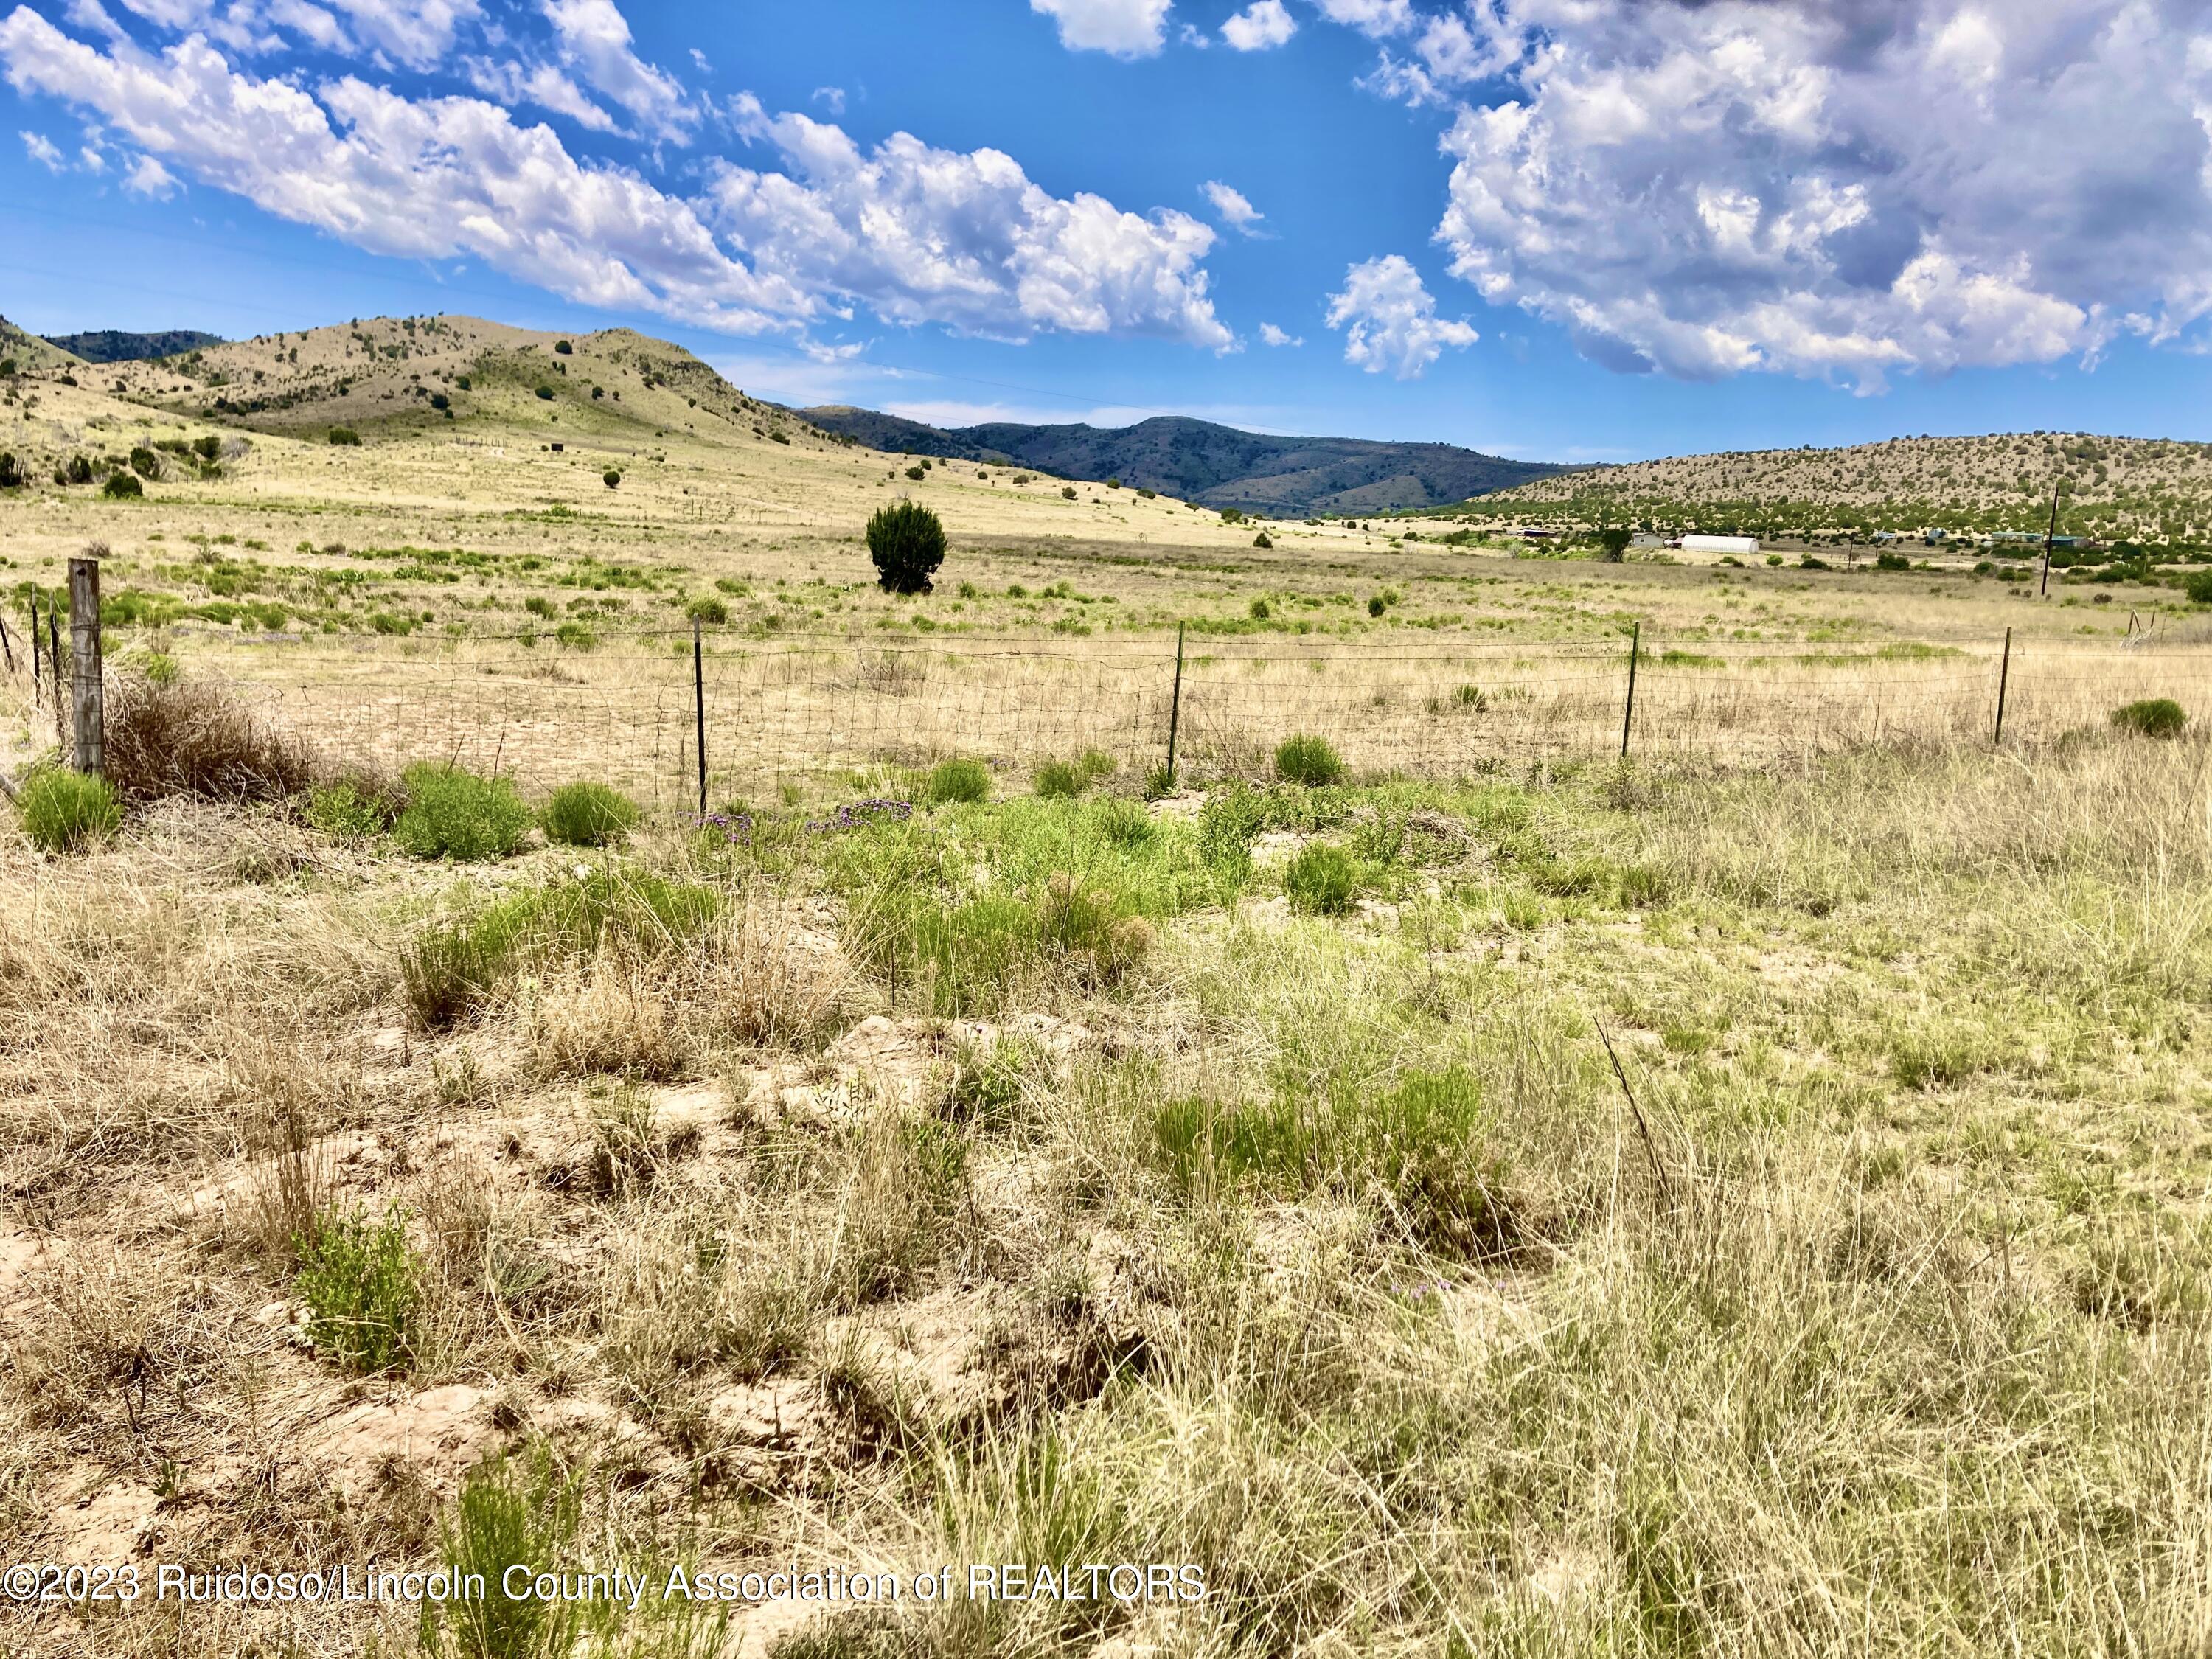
point(1309, 761)
point(452, 969)
point(123, 485)
point(349, 812)
point(1418, 1144)
point(576, 636)
point(453, 814)
point(1321, 879)
point(1064, 779)
point(963, 780)
point(2153, 717)
point(62, 811)
point(359, 1282)
point(588, 815)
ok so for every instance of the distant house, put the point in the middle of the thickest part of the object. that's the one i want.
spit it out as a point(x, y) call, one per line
point(1646, 539)
point(1720, 543)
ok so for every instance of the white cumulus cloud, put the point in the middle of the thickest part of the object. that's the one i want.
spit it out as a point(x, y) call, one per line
point(1390, 321)
point(1270, 335)
point(148, 177)
point(1260, 26)
point(1846, 189)
point(1127, 28)
point(1235, 210)
point(921, 235)
point(917, 234)
point(43, 150)
point(593, 40)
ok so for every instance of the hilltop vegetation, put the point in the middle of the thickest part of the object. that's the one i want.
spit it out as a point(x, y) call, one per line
point(113, 345)
point(1218, 466)
point(2155, 491)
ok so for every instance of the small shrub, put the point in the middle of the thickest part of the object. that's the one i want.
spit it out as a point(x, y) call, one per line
point(145, 463)
point(1067, 492)
point(1261, 611)
point(917, 474)
point(12, 476)
point(440, 402)
point(345, 435)
point(509, 1514)
point(1888, 562)
point(167, 735)
point(545, 393)
point(1376, 606)
point(123, 486)
point(455, 814)
point(1321, 880)
point(610, 478)
point(2198, 586)
point(576, 636)
point(2153, 717)
point(588, 815)
point(80, 469)
point(1308, 760)
point(538, 606)
point(907, 542)
point(1260, 540)
point(62, 811)
point(707, 609)
point(358, 1284)
point(349, 812)
point(963, 780)
point(562, 347)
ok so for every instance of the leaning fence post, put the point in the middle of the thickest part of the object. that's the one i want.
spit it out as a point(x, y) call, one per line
point(699, 709)
point(88, 704)
point(2004, 674)
point(6, 648)
point(1628, 713)
point(1174, 707)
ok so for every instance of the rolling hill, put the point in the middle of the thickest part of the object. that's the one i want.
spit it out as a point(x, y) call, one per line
point(2154, 490)
point(30, 352)
point(1215, 465)
point(392, 377)
point(112, 345)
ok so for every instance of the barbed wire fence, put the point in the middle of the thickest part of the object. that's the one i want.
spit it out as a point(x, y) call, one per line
point(798, 716)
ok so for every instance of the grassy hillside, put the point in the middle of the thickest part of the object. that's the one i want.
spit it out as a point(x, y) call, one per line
point(112, 345)
point(2156, 491)
point(1217, 465)
point(388, 376)
point(29, 351)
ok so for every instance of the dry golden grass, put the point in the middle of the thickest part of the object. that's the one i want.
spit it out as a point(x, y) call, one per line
point(857, 1213)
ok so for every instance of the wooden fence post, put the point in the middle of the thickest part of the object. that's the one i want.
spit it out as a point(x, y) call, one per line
point(2004, 675)
point(88, 704)
point(7, 648)
point(699, 709)
point(1628, 713)
point(38, 667)
point(1174, 707)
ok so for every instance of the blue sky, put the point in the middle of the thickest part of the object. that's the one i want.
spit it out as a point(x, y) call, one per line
point(1551, 229)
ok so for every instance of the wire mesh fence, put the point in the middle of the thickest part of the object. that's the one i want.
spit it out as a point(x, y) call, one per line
point(817, 712)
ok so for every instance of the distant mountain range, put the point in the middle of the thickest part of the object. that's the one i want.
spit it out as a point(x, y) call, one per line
point(1215, 465)
point(112, 345)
